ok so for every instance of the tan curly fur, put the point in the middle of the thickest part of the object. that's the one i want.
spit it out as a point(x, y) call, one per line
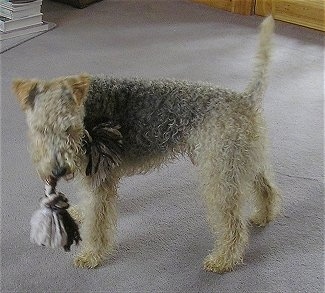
point(222, 131)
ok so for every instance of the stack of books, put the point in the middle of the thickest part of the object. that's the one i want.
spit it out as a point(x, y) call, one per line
point(21, 17)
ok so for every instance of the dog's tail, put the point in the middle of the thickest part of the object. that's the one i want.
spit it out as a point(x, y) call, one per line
point(256, 87)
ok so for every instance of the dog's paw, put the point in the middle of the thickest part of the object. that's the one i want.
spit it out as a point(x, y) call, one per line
point(220, 264)
point(262, 219)
point(88, 259)
point(259, 221)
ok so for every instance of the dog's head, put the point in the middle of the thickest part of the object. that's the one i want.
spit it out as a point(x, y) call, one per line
point(55, 113)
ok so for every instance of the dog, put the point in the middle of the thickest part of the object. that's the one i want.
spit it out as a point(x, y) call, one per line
point(104, 128)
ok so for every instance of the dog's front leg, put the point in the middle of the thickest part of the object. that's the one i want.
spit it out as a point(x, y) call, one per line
point(99, 226)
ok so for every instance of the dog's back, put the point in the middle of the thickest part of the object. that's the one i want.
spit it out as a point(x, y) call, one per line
point(157, 115)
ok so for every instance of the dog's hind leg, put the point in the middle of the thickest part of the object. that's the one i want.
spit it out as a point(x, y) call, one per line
point(99, 226)
point(267, 199)
point(224, 199)
point(225, 178)
point(266, 196)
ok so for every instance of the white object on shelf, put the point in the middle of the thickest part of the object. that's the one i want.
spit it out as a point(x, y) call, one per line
point(24, 31)
point(7, 24)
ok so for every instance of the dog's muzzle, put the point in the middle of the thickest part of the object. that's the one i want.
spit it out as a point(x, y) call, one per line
point(60, 172)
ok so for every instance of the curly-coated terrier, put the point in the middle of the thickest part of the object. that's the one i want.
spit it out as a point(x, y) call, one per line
point(106, 128)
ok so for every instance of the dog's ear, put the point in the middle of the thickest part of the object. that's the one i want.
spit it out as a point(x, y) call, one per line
point(80, 85)
point(25, 91)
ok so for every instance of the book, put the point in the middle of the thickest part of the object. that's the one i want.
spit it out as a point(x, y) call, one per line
point(13, 14)
point(24, 31)
point(20, 1)
point(19, 6)
point(7, 24)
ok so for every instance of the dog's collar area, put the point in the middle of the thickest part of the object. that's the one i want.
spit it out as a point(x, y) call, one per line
point(103, 147)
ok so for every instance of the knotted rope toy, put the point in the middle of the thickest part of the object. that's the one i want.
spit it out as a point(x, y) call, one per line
point(52, 225)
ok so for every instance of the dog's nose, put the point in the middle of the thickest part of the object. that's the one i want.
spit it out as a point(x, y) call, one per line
point(59, 172)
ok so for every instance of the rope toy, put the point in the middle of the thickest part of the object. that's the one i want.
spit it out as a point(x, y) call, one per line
point(52, 225)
